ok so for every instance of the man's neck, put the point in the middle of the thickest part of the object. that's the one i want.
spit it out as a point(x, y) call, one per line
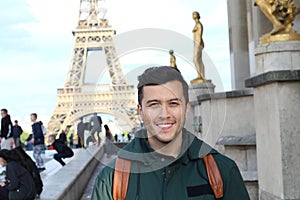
point(170, 149)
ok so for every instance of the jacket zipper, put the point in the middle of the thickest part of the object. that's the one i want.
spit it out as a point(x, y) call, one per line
point(138, 186)
point(164, 184)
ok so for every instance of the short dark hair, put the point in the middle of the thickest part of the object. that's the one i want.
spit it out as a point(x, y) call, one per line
point(159, 76)
point(4, 110)
point(34, 114)
point(16, 121)
point(106, 127)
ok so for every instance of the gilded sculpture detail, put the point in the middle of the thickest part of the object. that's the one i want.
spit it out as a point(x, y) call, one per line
point(198, 47)
point(172, 59)
point(281, 14)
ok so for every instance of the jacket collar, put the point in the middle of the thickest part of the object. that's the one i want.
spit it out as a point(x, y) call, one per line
point(139, 150)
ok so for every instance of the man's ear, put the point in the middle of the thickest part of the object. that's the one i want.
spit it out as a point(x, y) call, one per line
point(139, 107)
point(188, 108)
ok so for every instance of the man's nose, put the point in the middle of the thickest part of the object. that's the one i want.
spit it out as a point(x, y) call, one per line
point(164, 111)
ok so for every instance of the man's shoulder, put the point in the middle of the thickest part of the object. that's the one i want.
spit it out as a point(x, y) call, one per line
point(224, 163)
point(231, 176)
point(132, 144)
point(36, 124)
point(136, 145)
point(106, 174)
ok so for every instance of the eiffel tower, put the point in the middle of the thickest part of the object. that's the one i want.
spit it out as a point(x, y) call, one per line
point(77, 99)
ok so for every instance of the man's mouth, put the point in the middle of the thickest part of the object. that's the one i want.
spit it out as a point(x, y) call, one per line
point(165, 126)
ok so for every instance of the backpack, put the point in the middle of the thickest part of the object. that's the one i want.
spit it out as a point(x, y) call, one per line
point(122, 173)
point(99, 120)
point(44, 129)
point(20, 156)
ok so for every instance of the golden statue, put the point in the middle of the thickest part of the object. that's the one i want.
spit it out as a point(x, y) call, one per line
point(172, 59)
point(198, 47)
point(281, 13)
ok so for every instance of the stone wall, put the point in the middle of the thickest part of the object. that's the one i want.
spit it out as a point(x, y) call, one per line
point(70, 181)
point(228, 124)
point(226, 114)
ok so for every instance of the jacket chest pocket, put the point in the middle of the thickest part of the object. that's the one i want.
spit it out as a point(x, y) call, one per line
point(202, 197)
point(201, 192)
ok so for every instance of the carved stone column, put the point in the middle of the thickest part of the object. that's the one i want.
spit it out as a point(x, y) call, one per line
point(277, 113)
point(238, 37)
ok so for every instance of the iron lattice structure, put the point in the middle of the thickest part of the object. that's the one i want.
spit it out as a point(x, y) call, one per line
point(77, 99)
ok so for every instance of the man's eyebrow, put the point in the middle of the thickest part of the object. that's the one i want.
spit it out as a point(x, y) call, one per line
point(152, 101)
point(155, 100)
point(176, 99)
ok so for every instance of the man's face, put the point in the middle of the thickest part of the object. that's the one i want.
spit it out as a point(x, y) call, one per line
point(3, 114)
point(163, 110)
point(32, 118)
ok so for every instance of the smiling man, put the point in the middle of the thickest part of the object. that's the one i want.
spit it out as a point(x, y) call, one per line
point(165, 161)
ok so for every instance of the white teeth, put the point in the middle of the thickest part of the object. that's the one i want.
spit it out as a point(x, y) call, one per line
point(164, 125)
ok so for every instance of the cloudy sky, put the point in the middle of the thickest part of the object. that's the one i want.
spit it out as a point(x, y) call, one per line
point(36, 42)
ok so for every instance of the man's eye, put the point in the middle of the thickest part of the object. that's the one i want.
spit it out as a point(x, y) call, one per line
point(174, 103)
point(153, 104)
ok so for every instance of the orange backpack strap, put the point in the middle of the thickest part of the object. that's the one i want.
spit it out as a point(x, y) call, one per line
point(214, 175)
point(121, 178)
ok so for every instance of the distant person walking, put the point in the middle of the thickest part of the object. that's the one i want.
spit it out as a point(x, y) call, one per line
point(87, 134)
point(80, 133)
point(123, 138)
point(96, 123)
point(108, 141)
point(16, 132)
point(38, 141)
point(6, 128)
point(116, 138)
point(71, 140)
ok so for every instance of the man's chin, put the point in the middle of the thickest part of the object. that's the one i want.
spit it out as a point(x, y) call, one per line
point(165, 139)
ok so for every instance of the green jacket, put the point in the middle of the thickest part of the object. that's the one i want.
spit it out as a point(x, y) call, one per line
point(158, 177)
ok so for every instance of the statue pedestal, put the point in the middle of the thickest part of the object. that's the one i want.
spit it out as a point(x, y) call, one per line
point(194, 121)
point(279, 37)
point(197, 89)
point(277, 114)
